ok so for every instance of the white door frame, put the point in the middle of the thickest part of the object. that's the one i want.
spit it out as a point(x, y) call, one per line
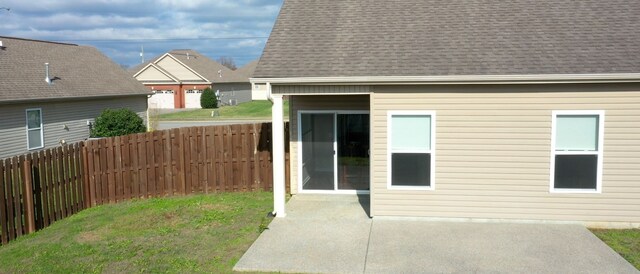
point(335, 155)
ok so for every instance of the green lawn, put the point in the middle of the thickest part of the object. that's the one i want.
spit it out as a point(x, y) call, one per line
point(203, 233)
point(254, 109)
point(624, 241)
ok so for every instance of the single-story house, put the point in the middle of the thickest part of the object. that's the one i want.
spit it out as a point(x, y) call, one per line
point(178, 77)
point(461, 110)
point(50, 93)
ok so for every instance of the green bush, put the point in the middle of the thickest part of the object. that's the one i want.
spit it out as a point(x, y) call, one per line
point(117, 122)
point(208, 99)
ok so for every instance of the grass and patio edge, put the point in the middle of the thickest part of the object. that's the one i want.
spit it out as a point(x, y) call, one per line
point(625, 242)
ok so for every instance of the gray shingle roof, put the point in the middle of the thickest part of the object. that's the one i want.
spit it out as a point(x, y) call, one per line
point(327, 38)
point(205, 66)
point(79, 71)
point(247, 71)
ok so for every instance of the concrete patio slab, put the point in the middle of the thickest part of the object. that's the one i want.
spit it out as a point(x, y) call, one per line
point(333, 234)
point(398, 246)
point(333, 239)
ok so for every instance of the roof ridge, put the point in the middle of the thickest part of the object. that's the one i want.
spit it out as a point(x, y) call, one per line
point(40, 41)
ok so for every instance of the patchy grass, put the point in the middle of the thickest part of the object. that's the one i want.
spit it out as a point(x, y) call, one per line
point(201, 234)
point(254, 109)
point(624, 241)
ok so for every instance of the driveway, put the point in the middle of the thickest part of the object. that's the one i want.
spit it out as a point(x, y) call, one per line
point(332, 234)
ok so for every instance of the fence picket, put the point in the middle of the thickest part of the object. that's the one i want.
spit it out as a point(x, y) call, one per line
point(167, 163)
point(159, 163)
point(37, 190)
point(17, 197)
point(11, 228)
point(151, 169)
point(4, 227)
point(27, 206)
point(61, 167)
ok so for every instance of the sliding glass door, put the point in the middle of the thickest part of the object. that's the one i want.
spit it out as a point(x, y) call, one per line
point(317, 151)
point(353, 151)
point(334, 151)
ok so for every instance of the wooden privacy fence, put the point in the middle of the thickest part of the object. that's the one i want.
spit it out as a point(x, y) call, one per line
point(180, 161)
point(40, 188)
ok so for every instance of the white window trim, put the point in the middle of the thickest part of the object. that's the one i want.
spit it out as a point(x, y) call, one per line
point(599, 153)
point(431, 151)
point(41, 128)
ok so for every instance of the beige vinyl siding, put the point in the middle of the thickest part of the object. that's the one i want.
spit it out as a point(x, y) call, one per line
point(493, 149)
point(316, 102)
point(152, 74)
point(178, 70)
point(55, 115)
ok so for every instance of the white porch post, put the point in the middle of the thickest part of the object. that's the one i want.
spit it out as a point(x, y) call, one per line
point(278, 153)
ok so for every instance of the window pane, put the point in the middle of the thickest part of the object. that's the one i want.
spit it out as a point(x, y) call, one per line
point(577, 132)
point(35, 139)
point(410, 132)
point(576, 171)
point(410, 169)
point(33, 118)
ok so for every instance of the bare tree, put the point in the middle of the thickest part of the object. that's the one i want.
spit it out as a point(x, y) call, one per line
point(227, 62)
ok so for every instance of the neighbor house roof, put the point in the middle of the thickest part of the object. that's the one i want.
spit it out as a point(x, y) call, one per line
point(210, 69)
point(77, 72)
point(243, 74)
point(328, 38)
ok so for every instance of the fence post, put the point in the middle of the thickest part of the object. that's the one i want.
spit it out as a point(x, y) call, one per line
point(84, 166)
point(28, 197)
point(181, 163)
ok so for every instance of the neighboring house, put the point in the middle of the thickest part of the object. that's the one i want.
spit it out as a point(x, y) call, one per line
point(518, 110)
point(178, 78)
point(38, 113)
point(235, 87)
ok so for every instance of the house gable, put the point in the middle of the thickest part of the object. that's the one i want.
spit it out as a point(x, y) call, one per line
point(152, 73)
point(178, 69)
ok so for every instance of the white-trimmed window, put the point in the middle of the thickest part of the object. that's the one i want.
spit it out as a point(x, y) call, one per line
point(35, 137)
point(410, 149)
point(576, 153)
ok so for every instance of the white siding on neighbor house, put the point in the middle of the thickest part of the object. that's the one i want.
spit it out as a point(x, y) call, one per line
point(259, 92)
point(493, 149)
point(162, 99)
point(55, 115)
point(178, 70)
point(153, 74)
point(316, 102)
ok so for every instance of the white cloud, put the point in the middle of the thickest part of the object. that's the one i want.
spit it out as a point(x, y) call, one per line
point(92, 22)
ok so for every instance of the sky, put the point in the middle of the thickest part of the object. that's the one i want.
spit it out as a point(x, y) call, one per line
point(120, 28)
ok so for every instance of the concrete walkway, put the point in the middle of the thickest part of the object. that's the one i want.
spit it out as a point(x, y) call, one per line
point(332, 234)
